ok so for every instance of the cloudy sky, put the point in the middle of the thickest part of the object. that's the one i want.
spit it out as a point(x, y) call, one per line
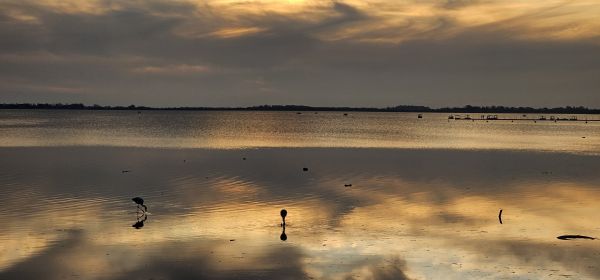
point(324, 53)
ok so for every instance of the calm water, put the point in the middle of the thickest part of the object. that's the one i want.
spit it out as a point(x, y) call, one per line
point(423, 203)
point(234, 130)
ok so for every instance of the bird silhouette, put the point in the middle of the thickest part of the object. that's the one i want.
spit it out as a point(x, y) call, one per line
point(283, 214)
point(140, 201)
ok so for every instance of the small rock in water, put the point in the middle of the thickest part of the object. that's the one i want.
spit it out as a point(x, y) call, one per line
point(305, 169)
point(347, 185)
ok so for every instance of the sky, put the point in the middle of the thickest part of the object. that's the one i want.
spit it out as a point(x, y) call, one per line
point(375, 53)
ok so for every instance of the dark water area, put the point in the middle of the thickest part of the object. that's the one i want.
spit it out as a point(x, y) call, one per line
point(66, 212)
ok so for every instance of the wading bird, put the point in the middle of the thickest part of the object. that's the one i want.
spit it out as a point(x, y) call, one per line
point(140, 201)
point(283, 214)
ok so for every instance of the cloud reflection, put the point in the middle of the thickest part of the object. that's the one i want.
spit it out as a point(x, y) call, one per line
point(217, 216)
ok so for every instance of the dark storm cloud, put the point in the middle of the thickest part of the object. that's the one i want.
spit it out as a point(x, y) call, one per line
point(166, 53)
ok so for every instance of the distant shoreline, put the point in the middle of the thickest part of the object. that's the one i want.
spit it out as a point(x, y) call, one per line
point(301, 108)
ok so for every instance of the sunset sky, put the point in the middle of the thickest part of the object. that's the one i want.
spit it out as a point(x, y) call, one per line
point(321, 53)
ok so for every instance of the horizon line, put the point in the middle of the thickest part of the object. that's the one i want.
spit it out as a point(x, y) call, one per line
point(266, 107)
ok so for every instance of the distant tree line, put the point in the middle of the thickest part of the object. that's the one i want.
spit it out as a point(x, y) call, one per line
point(401, 108)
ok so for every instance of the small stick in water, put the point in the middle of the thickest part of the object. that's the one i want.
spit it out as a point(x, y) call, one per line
point(569, 237)
point(500, 216)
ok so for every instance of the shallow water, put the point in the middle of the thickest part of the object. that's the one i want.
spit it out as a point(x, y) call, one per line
point(411, 213)
point(234, 130)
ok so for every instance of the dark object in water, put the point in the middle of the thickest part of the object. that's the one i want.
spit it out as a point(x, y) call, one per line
point(140, 223)
point(345, 114)
point(283, 236)
point(243, 158)
point(500, 216)
point(347, 185)
point(140, 201)
point(305, 169)
point(569, 237)
point(283, 213)
point(231, 240)
point(420, 116)
point(125, 171)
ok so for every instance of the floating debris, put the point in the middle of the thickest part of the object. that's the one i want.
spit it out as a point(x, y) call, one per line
point(244, 158)
point(576, 236)
point(305, 169)
point(125, 171)
point(347, 185)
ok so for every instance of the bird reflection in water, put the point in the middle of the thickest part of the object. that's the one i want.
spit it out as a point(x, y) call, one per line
point(283, 236)
point(140, 221)
point(141, 216)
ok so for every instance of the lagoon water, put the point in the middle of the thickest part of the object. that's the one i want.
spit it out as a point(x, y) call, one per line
point(423, 201)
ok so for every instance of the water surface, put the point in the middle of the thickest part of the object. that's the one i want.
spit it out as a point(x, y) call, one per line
point(234, 130)
point(417, 209)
